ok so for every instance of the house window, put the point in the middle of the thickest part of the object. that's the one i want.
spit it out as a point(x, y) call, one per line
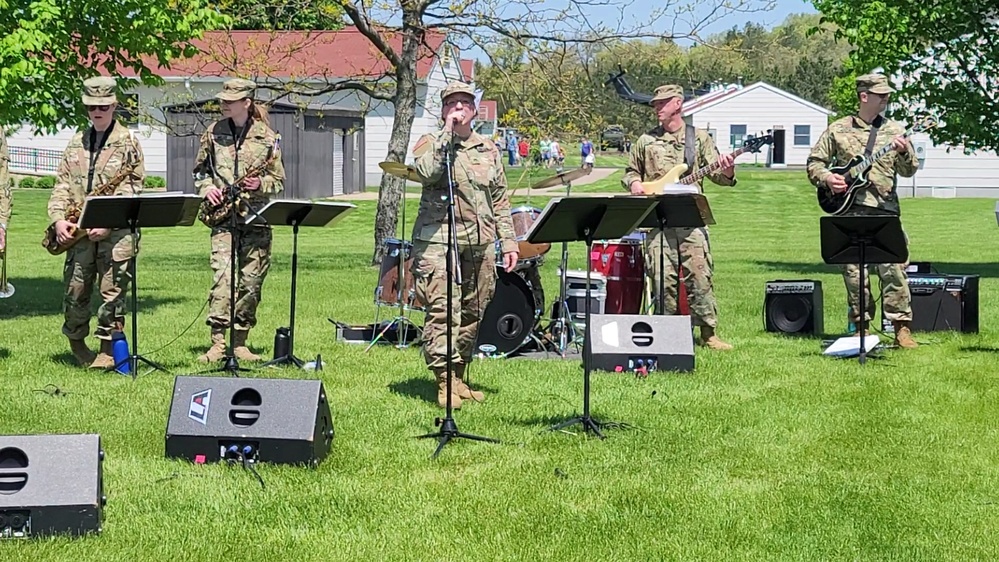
point(713, 133)
point(737, 135)
point(128, 110)
point(802, 135)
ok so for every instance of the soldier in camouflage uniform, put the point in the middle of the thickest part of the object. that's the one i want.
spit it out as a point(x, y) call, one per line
point(5, 196)
point(843, 140)
point(482, 215)
point(652, 155)
point(245, 131)
point(96, 157)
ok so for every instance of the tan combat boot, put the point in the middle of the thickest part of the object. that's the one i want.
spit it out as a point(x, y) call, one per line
point(903, 335)
point(441, 375)
point(239, 348)
point(104, 359)
point(217, 351)
point(464, 391)
point(712, 341)
point(81, 352)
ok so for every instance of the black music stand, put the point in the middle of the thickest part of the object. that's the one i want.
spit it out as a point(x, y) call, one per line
point(862, 239)
point(687, 210)
point(292, 213)
point(570, 219)
point(146, 211)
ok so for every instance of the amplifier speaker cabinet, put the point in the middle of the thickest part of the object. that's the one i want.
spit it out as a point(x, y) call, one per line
point(941, 302)
point(793, 307)
point(632, 342)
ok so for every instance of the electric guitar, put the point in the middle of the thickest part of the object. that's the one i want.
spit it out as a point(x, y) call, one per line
point(855, 173)
point(656, 187)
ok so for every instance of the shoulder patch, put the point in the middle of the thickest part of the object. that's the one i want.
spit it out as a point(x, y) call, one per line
point(422, 145)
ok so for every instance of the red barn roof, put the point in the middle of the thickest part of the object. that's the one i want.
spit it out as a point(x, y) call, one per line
point(294, 55)
point(487, 110)
point(467, 69)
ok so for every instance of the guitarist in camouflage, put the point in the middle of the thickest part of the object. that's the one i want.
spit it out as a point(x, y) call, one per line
point(652, 155)
point(843, 140)
point(244, 129)
point(94, 157)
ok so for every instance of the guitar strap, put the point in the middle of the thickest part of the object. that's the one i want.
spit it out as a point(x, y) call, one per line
point(873, 136)
point(689, 150)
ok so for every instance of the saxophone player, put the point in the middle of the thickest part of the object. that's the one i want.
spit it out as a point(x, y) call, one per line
point(242, 138)
point(104, 150)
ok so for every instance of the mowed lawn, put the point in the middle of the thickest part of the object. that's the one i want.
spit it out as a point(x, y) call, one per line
point(768, 452)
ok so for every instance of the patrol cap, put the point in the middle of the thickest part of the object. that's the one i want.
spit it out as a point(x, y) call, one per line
point(236, 89)
point(667, 92)
point(874, 83)
point(99, 90)
point(457, 88)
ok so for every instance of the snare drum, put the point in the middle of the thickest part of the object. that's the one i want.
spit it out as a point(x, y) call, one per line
point(387, 291)
point(623, 265)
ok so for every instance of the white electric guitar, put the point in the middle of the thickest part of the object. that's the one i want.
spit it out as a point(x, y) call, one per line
point(672, 182)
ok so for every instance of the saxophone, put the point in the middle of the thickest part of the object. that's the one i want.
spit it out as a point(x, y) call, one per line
point(73, 211)
point(215, 215)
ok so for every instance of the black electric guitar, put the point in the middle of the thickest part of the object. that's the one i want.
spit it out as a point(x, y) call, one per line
point(855, 173)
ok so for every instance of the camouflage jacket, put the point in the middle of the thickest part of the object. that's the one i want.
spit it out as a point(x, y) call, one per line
point(121, 154)
point(482, 204)
point(216, 160)
point(847, 138)
point(5, 201)
point(657, 151)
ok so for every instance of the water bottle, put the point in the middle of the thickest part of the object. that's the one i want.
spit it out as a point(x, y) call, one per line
point(119, 350)
point(282, 341)
point(316, 365)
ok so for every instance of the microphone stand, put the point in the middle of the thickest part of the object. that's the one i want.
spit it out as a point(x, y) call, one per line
point(448, 428)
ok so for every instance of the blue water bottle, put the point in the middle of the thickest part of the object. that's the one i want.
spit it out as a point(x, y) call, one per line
point(851, 326)
point(119, 350)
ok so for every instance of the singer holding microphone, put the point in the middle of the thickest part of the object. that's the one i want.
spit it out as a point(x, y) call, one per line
point(482, 216)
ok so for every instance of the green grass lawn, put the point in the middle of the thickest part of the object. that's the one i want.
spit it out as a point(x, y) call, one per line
point(768, 452)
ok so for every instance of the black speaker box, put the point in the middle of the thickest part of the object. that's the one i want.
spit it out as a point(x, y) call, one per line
point(941, 302)
point(793, 307)
point(50, 485)
point(267, 420)
point(629, 342)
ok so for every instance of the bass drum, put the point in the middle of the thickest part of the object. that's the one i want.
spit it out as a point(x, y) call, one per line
point(509, 318)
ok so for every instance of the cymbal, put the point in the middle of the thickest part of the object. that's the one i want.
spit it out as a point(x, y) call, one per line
point(400, 170)
point(564, 177)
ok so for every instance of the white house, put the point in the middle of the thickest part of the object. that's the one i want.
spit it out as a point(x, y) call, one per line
point(732, 113)
point(317, 59)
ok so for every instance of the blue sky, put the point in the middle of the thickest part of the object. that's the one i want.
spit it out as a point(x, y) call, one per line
point(782, 9)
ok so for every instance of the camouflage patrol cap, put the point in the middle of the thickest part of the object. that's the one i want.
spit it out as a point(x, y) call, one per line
point(236, 89)
point(99, 90)
point(457, 88)
point(874, 83)
point(667, 92)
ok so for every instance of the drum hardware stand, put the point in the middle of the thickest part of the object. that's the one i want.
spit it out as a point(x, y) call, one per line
point(564, 322)
point(401, 319)
point(448, 428)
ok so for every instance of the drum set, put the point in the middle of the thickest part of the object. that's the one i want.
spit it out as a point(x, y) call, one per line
point(513, 320)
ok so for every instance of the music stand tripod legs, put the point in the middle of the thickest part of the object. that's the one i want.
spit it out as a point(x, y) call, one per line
point(134, 358)
point(448, 428)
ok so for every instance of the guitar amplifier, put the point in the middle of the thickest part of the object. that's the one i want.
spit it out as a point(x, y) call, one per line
point(941, 302)
point(793, 307)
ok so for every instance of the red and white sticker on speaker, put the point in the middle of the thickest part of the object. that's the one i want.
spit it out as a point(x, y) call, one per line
point(198, 410)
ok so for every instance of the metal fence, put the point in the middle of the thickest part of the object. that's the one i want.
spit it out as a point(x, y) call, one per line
point(34, 159)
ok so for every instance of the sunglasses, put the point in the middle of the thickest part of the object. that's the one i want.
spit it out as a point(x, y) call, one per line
point(98, 107)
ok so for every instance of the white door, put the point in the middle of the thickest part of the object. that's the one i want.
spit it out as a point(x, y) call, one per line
point(337, 163)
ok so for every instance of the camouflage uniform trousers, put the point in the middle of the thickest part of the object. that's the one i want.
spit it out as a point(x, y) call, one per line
point(468, 303)
point(896, 299)
point(253, 258)
point(698, 266)
point(87, 262)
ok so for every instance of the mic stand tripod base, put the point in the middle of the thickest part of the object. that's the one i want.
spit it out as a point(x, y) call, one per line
point(449, 431)
point(285, 360)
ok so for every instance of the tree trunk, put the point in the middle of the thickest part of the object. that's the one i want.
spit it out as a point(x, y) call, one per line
point(390, 191)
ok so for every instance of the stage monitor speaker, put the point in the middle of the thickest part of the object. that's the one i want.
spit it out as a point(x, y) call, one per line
point(941, 302)
point(633, 342)
point(282, 421)
point(777, 150)
point(793, 307)
point(50, 485)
